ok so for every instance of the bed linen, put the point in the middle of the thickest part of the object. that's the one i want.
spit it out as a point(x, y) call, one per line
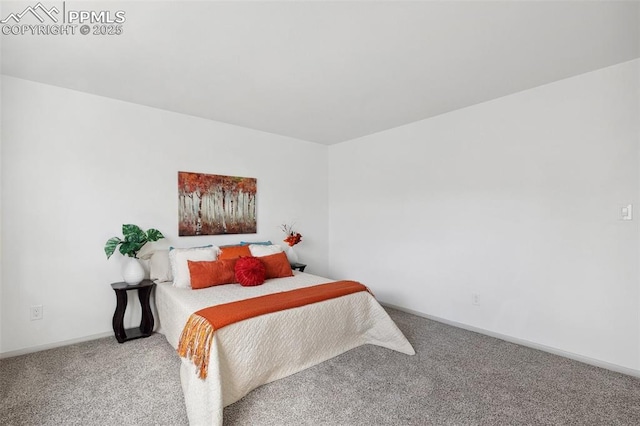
point(259, 350)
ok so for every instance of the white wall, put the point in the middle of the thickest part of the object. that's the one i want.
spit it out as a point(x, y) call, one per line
point(517, 200)
point(75, 167)
point(1, 174)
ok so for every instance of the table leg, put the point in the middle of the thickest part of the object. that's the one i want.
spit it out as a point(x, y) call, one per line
point(146, 324)
point(118, 316)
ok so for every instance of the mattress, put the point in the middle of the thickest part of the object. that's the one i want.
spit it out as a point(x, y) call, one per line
point(259, 350)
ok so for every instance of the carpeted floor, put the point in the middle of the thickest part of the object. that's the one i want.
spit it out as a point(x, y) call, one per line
point(457, 378)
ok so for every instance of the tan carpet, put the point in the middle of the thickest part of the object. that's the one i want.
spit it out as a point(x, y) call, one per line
point(456, 378)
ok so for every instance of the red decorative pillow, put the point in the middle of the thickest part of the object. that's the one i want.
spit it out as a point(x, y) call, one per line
point(208, 274)
point(233, 252)
point(250, 271)
point(276, 265)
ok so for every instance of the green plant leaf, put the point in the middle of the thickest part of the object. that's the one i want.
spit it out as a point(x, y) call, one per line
point(133, 233)
point(111, 245)
point(134, 239)
point(131, 248)
point(154, 235)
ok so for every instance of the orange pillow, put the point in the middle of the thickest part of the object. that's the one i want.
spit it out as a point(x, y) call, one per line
point(208, 274)
point(234, 252)
point(276, 265)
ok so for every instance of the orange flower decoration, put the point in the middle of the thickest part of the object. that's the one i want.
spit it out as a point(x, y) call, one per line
point(293, 237)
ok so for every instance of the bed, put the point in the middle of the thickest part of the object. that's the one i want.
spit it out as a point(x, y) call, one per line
point(259, 350)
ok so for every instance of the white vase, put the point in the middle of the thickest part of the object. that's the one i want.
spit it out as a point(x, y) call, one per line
point(132, 271)
point(292, 255)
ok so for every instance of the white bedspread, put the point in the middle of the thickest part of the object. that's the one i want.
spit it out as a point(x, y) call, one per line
point(260, 350)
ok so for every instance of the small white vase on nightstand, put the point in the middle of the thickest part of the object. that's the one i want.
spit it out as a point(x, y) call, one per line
point(132, 271)
point(292, 255)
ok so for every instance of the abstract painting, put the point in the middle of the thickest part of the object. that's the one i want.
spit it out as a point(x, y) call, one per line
point(216, 204)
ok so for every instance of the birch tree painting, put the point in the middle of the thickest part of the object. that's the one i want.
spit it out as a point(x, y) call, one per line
point(215, 204)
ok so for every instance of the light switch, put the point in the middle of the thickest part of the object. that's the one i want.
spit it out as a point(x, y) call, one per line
point(627, 212)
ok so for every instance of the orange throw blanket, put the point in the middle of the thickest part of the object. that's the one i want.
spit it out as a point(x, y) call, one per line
point(197, 335)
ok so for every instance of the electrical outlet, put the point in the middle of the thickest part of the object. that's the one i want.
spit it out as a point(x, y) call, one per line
point(475, 299)
point(36, 312)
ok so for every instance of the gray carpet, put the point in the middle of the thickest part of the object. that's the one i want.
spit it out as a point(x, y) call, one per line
point(457, 378)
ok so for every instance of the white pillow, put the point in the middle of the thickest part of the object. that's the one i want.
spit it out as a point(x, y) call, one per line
point(180, 267)
point(160, 267)
point(260, 250)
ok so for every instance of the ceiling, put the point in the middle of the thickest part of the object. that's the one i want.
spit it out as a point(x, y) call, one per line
point(326, 72)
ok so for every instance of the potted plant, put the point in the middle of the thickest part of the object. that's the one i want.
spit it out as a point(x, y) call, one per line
point(134, 239)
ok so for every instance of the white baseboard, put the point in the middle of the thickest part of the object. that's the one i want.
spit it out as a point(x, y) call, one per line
point(39, 348)
point(527, 343)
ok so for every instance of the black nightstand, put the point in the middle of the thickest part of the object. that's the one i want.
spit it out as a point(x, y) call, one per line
point(146, 324)
point(299, 266)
